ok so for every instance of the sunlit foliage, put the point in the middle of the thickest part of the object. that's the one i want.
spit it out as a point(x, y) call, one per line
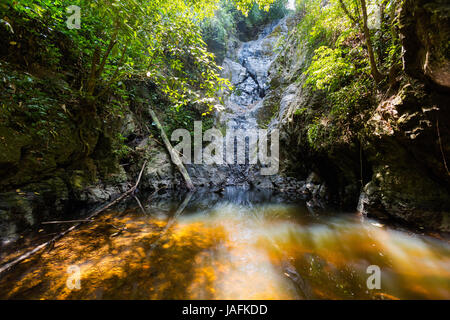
point(341, 63)
point(228, 23)
point(155, 39)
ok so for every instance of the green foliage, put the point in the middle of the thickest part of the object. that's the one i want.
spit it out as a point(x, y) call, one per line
point(260, 15)
point(350, 98)
point(332, 26)
point(229, 22)
point(245, 6)
point(328, 69)
point(319, 24)
point(120, 39)
point(339, 66)
point(32, 106)
point(121, 150)
point(157, 39)
point(67, 104)
point(218, 29)
point(27, 96)
point(300, 111)
point(313, 134)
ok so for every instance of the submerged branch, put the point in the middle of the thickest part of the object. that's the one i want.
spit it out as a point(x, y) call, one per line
point(28, 254)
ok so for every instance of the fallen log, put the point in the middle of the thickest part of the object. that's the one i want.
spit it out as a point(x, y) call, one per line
point(175, 157)
point(28, 254)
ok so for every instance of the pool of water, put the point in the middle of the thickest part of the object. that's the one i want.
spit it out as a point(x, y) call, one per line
point(237, 245)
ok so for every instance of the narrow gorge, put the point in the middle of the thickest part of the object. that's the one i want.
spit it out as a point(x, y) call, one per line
point(346, 100)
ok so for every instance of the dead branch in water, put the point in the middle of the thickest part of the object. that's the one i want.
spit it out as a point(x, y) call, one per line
point(64, 221)
point(28, 254)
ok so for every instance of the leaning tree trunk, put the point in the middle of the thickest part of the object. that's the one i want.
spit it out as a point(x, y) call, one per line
point(175, 157)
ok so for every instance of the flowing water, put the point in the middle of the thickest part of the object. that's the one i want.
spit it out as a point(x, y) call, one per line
point(238, 245)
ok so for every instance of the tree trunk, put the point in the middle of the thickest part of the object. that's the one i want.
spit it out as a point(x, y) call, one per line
point(377, 76)
point(90, 86)
point(348, 14)
point(175, 157)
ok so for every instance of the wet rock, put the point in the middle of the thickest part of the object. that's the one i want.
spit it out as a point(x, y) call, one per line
point(424, 28)
point(256, 56)
point(313, 178)
point(24, 208)
point(159, 172)
point(209, 175)
point(128, 126)
point(263, 183)
point(249, 75)
point(323, 191)
point(233, 47)
point(233, 71)
point(315, 205)
point(97, 194)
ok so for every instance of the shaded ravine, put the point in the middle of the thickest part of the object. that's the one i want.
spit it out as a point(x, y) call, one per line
point(239, 243)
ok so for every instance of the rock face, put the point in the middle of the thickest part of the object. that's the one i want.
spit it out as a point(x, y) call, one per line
point(248, 72)
point(409, 142)
point(425, 31)
point(247, 67)
point(399, 168)
point(410, 180)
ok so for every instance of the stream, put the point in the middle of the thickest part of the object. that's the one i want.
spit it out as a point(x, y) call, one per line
point(241, 244)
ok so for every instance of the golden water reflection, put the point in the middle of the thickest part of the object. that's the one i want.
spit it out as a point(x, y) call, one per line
point(231, 251)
